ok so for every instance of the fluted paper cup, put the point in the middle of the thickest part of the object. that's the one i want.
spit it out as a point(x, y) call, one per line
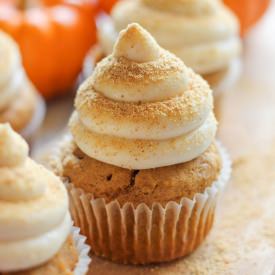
point(141, 234)
point(83, 249)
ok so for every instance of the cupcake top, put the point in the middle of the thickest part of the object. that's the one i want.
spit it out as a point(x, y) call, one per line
point(34, 216)
point(203, 33)
point(11, 71)
point(142, 107)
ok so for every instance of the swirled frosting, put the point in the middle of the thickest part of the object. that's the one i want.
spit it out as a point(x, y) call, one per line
point(203, 33)
point(142, 107)
point(34, 216)
point(11, 71)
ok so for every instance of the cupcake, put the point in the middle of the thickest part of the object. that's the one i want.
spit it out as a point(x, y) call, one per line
point(36, 234)
point(203, 33)
point(142, 166)
point(20, 104)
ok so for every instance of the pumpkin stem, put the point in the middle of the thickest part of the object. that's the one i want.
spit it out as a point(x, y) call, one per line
point(22, 4)
point(25, 4)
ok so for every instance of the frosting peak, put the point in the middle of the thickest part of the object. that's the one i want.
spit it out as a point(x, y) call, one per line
point(14, 150)
point(139, 70)
point(34, 214)
point(143, 115)
point(136, 44)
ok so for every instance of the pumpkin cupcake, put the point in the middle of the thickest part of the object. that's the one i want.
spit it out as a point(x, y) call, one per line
point(36, 234)
point(203, 33)
point(20, 104)
point(143, 169)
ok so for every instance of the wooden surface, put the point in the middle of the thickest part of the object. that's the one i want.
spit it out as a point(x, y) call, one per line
point(243, 238)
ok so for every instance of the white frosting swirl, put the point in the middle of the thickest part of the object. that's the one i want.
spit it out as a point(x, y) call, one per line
point(34, 214)
point(126, 118)
point(166, 72)
point(11, 71)
point(203, 33)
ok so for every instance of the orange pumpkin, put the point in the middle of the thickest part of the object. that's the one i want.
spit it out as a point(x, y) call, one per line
point(248, 11)
point(106, 5)
point(54, 39)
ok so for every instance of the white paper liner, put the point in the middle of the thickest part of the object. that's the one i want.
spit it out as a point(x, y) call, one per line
point(83, 249)
point(230, 79)
point(142, 234)
point(37, 119)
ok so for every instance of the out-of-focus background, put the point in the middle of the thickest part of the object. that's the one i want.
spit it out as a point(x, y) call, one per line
point(55, 38)
point(56, 35)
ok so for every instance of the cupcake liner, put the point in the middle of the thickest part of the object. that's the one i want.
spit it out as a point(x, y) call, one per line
point(142, 234)
point(231, 77)
point(83, 249)
point(37, 119)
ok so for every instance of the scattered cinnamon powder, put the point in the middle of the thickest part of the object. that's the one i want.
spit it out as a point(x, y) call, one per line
point(130, 72)
point(90, 103)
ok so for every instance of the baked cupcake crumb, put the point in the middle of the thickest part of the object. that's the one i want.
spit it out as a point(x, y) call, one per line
point(148, 186)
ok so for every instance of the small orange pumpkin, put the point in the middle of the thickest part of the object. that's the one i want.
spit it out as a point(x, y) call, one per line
point(248, 11)
point(106, 5)
point(54, 38)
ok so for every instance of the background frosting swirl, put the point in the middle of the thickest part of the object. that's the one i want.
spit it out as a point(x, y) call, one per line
point(34, 213)
point(186, 7)
point(204, 33)
point(11, 70)
point(138, 124)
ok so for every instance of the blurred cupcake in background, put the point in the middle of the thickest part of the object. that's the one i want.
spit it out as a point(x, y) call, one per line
point(54, 37)
point(203, 33)
point(249, 12)
point(20, 104)
point(143, 169)
point(36, 234)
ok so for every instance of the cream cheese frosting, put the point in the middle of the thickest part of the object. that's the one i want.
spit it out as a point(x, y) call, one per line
point(34, 215)
point(11, 71)
point(142, 107)
point(203, 33)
